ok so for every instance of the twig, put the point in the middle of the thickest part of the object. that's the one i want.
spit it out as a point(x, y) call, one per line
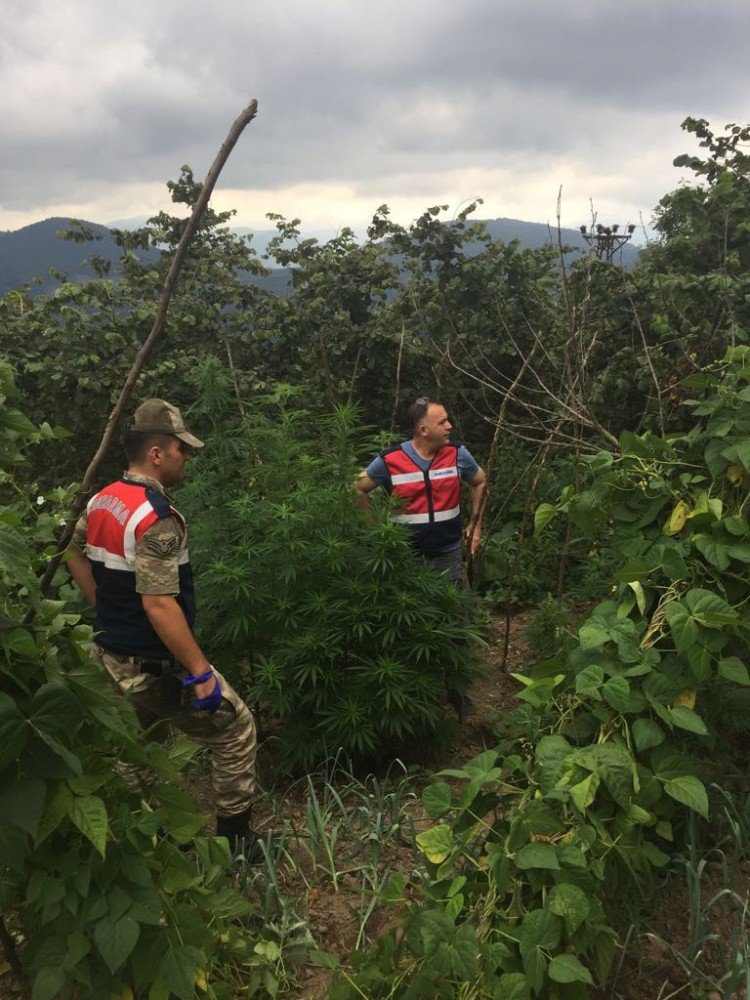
point(148, 345)
point(493, 456)
point(398, 379)
point(233, 375)
point(353, 382)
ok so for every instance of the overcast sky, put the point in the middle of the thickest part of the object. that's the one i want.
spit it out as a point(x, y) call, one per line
point(409, 102)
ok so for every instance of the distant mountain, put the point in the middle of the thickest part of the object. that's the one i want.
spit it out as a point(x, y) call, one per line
point(31, 252)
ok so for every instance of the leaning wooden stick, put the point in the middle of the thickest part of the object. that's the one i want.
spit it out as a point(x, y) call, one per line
point(156, 331)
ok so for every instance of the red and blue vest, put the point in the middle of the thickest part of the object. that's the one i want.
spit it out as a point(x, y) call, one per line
point(430, 504)
point(116, 518)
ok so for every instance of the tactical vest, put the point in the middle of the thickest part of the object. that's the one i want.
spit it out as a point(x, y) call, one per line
point(430, 501)
point(117, 517)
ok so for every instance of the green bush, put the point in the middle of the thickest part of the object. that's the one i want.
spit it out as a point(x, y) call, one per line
point(349, 639)
point(530, 856)
point(108, 903)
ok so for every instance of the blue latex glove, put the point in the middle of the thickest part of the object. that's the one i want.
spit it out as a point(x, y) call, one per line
point(213, 700)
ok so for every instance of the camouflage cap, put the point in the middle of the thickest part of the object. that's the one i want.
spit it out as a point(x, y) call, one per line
point(157, 416)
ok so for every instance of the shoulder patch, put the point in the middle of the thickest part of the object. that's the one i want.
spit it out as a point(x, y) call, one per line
point(162, 546)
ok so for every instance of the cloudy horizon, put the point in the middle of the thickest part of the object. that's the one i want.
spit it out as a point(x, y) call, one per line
point(405, 104)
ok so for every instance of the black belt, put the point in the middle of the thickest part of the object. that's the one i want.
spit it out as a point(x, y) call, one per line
point(157, 668)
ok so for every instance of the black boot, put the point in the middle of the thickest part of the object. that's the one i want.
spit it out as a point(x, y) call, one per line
point(462, 704)
point(241, 836)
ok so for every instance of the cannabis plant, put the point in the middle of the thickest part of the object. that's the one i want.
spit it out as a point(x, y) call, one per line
point(324, 616)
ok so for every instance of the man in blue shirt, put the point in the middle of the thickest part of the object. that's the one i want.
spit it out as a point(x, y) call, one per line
point(425, 474)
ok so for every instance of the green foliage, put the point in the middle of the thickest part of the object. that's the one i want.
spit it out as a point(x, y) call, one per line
point(351, 638)
point(107, 899)
point(530, 856)
point(549, 627)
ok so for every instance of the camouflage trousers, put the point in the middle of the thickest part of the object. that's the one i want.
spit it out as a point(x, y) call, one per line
point(162, 703)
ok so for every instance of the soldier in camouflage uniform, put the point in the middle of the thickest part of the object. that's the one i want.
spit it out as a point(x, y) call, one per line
point(129, 556)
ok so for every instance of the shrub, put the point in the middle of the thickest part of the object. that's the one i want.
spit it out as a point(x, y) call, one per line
point(350, 639)
point(530, 856)
point(108, 903)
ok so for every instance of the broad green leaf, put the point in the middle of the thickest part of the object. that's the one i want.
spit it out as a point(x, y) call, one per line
point(656, 856)
point(20, 641)
point(178, 969)
point(393, 891)
point(637, 814)
point(535, 964)
point(62, 752)
point(13, 730)
point(48, 983)
point(690, 792)
point(15, 558)
point(667, 762)
point(687, 719)
point(436, 929)
point(436, 799)
point(709, 609)
point(740, 552)
point(116, 939)
point(89, 814)
point(634, 569)
point(589, 680)
point(716, 553)
point(55, 811)
point(647, 734)
point(537, 856)
point(699, 657)
point(513, 986)
point(551, 754)
point(664, 830)
point(540, 929)
point(55, 709)
point(571, 903)
point(733, 669)
point(614, 764)
point(22, 803)
point(584, 793)
point(593, 634)
point(542, 516)
point(436, 843)
point(673, 563)
point(568, 969)
point(12, 847)
point(738, 452)
point(463, 954)
point(617, 693)
point(736, 525)
point(683, 626)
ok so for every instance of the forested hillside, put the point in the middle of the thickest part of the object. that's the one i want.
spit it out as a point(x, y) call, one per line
point(41, 254)
point(610, 409)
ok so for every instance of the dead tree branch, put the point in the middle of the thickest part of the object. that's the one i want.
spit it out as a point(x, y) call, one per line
point(150, 342)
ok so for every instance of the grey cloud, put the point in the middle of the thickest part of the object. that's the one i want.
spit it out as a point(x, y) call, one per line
point(359, 94)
